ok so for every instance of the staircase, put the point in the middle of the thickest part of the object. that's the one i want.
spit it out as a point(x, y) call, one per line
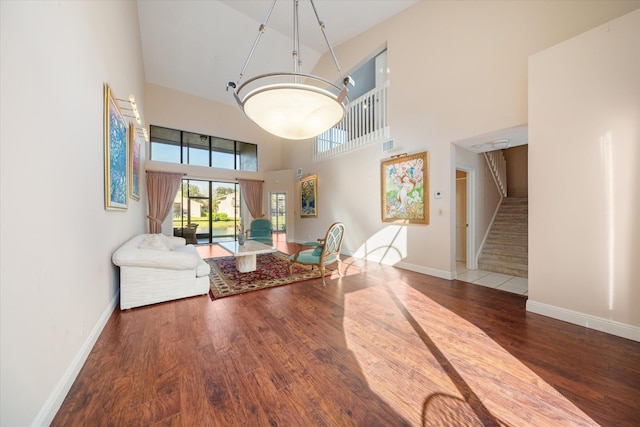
point(506, 248)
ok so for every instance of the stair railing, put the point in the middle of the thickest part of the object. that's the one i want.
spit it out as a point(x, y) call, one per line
point(366, 122)
point(498, 166)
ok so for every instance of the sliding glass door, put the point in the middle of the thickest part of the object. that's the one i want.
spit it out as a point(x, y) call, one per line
point(213, 205)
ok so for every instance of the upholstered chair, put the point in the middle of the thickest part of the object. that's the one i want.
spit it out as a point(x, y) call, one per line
point(260, 231)
point(323, 252)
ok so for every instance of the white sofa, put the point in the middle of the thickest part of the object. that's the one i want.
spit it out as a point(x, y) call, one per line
point(156, 268)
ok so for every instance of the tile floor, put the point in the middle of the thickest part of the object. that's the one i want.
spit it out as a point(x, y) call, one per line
point(518, 285)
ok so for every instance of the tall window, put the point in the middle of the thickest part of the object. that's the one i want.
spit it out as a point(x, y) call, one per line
point(213, 205)
point(175, 146)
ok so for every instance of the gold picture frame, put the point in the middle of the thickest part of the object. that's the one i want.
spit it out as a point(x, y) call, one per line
point(309, 197)
point(405, 189)
point(116, 154)
point(134, 163)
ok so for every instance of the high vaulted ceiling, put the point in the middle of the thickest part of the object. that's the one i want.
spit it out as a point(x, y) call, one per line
point(197, 47)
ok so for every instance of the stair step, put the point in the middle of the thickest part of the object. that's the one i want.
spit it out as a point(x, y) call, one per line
point(518, 239)
point(504, 269)
point(521, 217)
point(515, 201)
point(500, 229)
point(520, 259)
point(507, 249)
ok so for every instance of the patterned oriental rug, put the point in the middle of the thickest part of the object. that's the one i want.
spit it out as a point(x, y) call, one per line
point(272, 270)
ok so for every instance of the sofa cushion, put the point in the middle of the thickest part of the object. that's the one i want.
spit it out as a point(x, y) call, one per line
point(202, 269)
point(155, 241)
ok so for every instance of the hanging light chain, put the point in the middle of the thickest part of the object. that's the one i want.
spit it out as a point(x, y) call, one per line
point(261, 31)
point(326, 39)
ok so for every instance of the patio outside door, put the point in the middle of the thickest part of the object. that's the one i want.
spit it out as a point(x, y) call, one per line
point(278, 211)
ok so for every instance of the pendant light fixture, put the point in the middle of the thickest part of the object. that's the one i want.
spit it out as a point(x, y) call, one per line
point(292, 105)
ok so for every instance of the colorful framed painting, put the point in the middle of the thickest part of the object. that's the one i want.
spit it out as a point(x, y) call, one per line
point(116, 154)
point(309, 196)
point(405, 189)
point(134, 163)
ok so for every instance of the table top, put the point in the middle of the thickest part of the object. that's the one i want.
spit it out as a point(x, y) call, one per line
point(250, 247)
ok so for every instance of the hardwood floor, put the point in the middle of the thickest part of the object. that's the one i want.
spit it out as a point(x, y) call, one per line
point(379, 347)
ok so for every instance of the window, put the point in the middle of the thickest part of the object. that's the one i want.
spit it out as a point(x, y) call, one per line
point(175, 146)
point(213, 205)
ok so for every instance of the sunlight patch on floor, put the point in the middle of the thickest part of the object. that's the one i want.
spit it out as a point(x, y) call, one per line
point(461, 366)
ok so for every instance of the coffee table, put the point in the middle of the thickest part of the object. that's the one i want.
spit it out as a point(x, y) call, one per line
point(246, 254)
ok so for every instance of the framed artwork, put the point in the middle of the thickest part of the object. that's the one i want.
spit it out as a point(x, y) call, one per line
point(134, 163)
point(116, 153)
point(309, 196)
point(405, 189)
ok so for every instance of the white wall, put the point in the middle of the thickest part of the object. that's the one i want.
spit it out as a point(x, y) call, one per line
point(584, 178)
point(57, 280)
point(457, 70)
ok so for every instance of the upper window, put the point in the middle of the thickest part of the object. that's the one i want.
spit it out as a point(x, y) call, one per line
point(175, 146)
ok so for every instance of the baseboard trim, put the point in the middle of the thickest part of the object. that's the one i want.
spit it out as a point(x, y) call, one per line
point(52, 405)
point(442, 274)
point(581, 319)
point(448, 275)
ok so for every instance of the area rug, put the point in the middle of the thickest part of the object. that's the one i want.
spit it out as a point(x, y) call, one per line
point(271, 270)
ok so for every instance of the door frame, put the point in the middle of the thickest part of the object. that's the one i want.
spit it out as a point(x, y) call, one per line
point(472, 262)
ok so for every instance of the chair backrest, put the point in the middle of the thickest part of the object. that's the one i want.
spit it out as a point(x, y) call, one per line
point(260, 228)
point(333, 239)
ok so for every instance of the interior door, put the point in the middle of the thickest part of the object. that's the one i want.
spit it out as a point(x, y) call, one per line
point(461, 216)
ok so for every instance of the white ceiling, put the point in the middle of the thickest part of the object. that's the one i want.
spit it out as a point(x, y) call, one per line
point(504, 138)
point(197, 47)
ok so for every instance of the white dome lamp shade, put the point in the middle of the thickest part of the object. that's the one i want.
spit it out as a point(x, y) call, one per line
point(289, 109)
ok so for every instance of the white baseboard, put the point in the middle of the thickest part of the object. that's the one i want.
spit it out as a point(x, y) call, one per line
point(408, 266)
point(52, 405)
point(448, 275)
point(592, 322)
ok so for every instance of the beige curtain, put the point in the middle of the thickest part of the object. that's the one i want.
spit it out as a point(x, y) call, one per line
point(252, 194)
point(162, 188)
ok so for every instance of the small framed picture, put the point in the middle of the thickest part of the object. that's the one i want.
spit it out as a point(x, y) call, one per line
point(309, 196)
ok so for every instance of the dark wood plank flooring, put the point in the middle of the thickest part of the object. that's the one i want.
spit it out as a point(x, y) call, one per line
point(379, 347)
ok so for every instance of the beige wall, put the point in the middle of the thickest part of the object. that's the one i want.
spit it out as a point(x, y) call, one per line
point(457, 70)
point(57, 280)
point(584, 153)
point(517, 171)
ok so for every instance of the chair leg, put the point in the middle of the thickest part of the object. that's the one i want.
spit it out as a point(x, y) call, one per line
point(322, 273)
point(290, 268)
point(340, 267)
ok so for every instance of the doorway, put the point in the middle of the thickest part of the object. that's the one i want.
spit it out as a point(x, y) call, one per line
point(465, 244)
point(278, 211)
